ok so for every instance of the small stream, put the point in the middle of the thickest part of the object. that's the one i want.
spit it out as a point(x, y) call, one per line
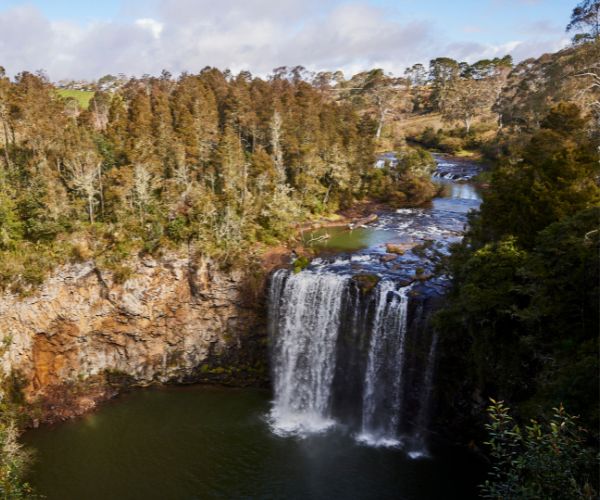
point(351, 404)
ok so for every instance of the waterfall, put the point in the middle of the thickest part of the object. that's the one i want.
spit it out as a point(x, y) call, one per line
point(305, 314)
point(339, 355)
point(382, 396)
point(418, 441)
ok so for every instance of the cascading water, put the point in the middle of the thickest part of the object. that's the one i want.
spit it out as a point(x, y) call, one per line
point(418, 445)
point(423, 416)
point(382, 396)
point(305, 319)
point(350, 340)
point(316, 317)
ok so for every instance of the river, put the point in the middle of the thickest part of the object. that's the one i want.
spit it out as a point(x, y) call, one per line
point(309, 440)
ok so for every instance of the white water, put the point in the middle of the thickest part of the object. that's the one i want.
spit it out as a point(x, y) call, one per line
point(382, 396)
point(381, 387)
point(419, 445)
point(305, 311)
point(305, 317)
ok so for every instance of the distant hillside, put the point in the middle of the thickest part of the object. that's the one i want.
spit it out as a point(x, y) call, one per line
point(534, 86)
point(502, 106)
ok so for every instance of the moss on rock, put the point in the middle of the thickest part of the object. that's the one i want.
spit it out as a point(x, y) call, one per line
point(301, 263)
point(366, 282)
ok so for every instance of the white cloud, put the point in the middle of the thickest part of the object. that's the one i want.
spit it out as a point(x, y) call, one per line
point(519, 49)
point(535, 48)
point(258, 35)
point(150, 24)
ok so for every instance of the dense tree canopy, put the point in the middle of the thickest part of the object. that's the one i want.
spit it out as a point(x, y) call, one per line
point(554, 179)
point(213, 160)
point(524, 302)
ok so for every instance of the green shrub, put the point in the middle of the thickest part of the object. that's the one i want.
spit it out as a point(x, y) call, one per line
point(121, 273)
point(14, 459)
point(450, 145)
point(11, 228)
point(428, 138)
point(13, 464)
point(538, 460)
point(178, 229)
point(300, 263)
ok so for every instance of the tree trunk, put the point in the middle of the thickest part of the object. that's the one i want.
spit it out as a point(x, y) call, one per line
point(91, 208)
point(326, 197)
point(101, 192)
point(380, 124)
point(468, 121)
point(6, 155)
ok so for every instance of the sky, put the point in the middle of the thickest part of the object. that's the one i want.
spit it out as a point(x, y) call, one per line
point(88, 39)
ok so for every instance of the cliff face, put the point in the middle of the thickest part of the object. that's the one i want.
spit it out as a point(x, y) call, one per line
point(83, 336)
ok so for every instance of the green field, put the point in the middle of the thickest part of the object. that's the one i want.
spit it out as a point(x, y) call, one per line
point(83, 97)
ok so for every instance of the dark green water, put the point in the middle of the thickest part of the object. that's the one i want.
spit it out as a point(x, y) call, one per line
point(203, 443)
point(342, 239)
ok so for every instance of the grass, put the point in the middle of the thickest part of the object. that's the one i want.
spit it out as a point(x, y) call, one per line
point(82, 97)
point(465, 153)
point(415, 124)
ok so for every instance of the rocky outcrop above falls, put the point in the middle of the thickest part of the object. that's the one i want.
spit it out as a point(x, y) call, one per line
point(83, 336)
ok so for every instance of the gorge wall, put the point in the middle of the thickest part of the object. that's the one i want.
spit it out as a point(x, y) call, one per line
point(82, 336)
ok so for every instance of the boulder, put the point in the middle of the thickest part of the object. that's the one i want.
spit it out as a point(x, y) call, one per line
point(388, 257)
point(399, 248)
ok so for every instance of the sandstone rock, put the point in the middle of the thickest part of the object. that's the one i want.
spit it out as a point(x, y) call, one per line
point(154, 327)
point(399, 248)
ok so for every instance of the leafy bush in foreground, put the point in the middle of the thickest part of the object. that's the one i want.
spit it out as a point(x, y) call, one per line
point(538, 460)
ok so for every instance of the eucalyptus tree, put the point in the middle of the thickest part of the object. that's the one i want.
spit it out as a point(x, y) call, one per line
point(83, 176)
point(585, 19)
point(443, 72)
point(474, 92)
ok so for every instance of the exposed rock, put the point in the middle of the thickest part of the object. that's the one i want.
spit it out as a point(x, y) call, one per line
point(157, 326)
point(366, 282)
point(399, 248)
point(388, 257)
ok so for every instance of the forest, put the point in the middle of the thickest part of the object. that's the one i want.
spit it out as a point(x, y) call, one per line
point(212, 162)
point(226, 166)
